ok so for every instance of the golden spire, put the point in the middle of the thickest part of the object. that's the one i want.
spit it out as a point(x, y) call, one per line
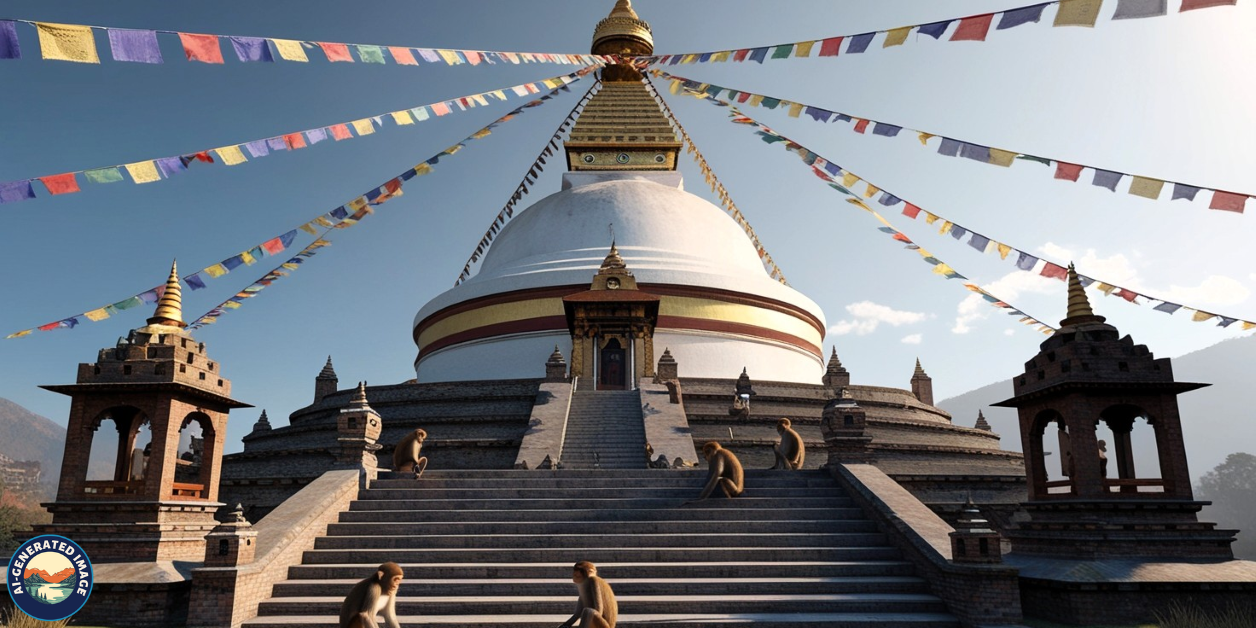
point(623, 8)
point(1078, 304)
point(170, 306)
point(613, 261)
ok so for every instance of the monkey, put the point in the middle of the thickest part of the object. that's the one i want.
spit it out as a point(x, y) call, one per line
point(724, 471)
point(377, 594)
point(406, 455)
point(790, 452)
point(596, 607)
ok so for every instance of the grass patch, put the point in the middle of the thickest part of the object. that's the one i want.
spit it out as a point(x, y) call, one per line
point(1182, 616)
point(13, 618)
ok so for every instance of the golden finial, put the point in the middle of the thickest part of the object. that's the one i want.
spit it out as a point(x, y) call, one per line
point(613, 261)
point(1078, 304)
point(623, 8)
point(920, 371)
point(170, 306)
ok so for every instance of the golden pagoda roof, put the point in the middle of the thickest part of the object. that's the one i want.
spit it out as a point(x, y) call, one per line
point(623, 24)
point(170, 306)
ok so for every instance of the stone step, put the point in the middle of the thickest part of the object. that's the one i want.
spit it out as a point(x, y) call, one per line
point(413, 587)
point(744, 502)
point(622, 541)
point(780, 479)
point(601, 554)
point(608, 527)
point(518, 605)
point(623, 492)
point(508, 474)
point(727, 512)
point(714, 570)
point(676, 620)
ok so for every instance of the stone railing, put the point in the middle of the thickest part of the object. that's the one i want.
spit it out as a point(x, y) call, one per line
point(225, 597)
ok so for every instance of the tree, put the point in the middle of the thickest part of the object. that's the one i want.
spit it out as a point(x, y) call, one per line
point(1232, 489)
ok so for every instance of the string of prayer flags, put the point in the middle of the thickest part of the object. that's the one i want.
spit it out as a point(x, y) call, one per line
point(718, 188)
point(335, 218)
point(1024, 261)
point(257, 286)
point(77, 43)
point(153, 170)
point(968, 28)
point(1141, 186)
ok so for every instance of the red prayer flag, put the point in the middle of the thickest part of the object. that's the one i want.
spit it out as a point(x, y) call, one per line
point(911, 211)
point(274, 247)
point(49, 326)
point(861, 126)
point(1227, 201)
point(61, 183)
point(743, 97)
point(901, 237)
point(473, 57)
point(1068, 172)
point(973, 28)
point(1189, 5)
point(203, 156)
point(341, 132)
point(1127, 295)
point(402, 56)
point(830, 47)
point(336, 52)
point(1054, 271)
point(294, 141)
point(203, 48)
point(741, 55)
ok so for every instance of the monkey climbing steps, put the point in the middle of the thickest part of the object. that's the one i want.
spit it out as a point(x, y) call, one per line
point(487, 549)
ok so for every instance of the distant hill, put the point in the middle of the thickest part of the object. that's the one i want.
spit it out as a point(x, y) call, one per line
point(25, 435)
point(1215, 421)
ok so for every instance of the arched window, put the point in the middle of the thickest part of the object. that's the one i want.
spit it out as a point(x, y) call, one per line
point(1130, 452)
point(117, 462)
point(193, 456)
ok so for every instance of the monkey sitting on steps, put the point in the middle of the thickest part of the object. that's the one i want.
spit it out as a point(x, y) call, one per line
point(790, 452)
point(375, 595)
point(406, 455)
point(723, 471)
point(596, 606)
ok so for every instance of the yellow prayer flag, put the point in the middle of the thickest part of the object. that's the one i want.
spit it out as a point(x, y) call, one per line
point(897, 36)
point(290, 265)
point(675, 88)
point(1146, 188)
point(357, 203)
point(449, 56)
point(801, 49)
point(453, 149)
point(721, 57)
point(230, 155)
point(97, 315)
point(290, 50)
point(309, 228)
point(483, 102)
point(67, 42)
point(1248, 325)
point(422, 169)
point(323, 221)
point(871, 191)
point(1201, 316)
point(858, 203)
point(925, 137)
point(250, 260)
point(481, 134)
point(20, 334)
point(755, 100)
point(687, 59)
point(217, 270)
point(143, 171)
point(1105, 288)
point(946, 227)
point(499, 95)
point(1077, 13)
point(1003, 250)
point(1000, 157)
point(943, 269)
point(231, 305)
point(363, 126)
point(930, 218)
point(402, 118)
point(848, 179)
point(795, 110)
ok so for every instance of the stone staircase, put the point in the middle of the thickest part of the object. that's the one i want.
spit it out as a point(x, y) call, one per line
point(604, 430)
point(485, 549)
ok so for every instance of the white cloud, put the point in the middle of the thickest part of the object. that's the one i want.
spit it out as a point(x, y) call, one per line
point(1215, 290)
point(866, 316)
point(1008, 332)
point(1011, 286)
point(913, 339)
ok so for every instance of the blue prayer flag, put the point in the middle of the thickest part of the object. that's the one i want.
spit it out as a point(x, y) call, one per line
point(316, 135)
point(819, 115)
point(1106, 179)
point(887, 130)
point(14, 191)
point(1026, 261)
point(758, 54)
point(935, 29)
point(1024, 15)
point(889, 200)
point(1181, 190)
point(195, 282)
point(252, 49)
point(233, 263)
point(833, 168)
point(859, 43)
point(1167, 307)
point(10, 48)
point(257, 148)
point(170, 166)
point(139, 46)
point(949, 147)
point(340, 213)
point(979, 242)
point(276, 143)
point(975, 152)
point(958, 232)
point(287, 238)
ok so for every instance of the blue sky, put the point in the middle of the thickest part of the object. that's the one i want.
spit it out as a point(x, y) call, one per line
point(1162, 97)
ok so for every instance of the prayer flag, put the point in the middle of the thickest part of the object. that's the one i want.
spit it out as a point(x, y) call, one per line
point(1040, 160)
point(935, 29)
point(1003, 250)
point(1054, 271)
point(103, 175)
point(911, 211)
point(1190, 5)
point(1226, 321)
point(1077, 13)
point(949, 147)
point(474, 57)
point(420, 113)
point(274, 246)
point(61, 183)
point(1001, 157)
point(1227, 201)
point(248, 258)
point(216, 271)
point(402, 56)
point(252, 49)
point(402, 118)
point(859, 43)
point(14, 191)
point(1167, 307)
point(340, 132)
point(363, 126)
point(449, 57)
point(97, 315)
point(1146, 188)
point(67, 42)
point(230, 155)
point(203, 48)
point(758, 54)
point(233, 263)
point(975, 152)
point(294, 141)
point(1105, 288)
point(1181, 190)
point(1026, 261)
point(1201, 316)
point(889, 200)
point(1131, 9)
point(795, 110)
point(849, 179)
point(783, 51)
point(370, 54)
point(288, 237)
point(861, 126)
point(886, 130)
point(1106, 179)
point(896, 37)
point(973, 28)
point(139, 46)
point(143, 171)
point(127, 304)
point(441, 109)
point(315, 135)
point(819, 115)
point(801, 49)
point(10, 47)
point(979, 242)
point(170, 166)
point(771, 103)
point(258, 148)
point(430, 55)
point(943, 269)
point(1068, 172)
point(1025, 15)
point(309, 228)
point(336, 53)
point(830, 47)
point(290, 50)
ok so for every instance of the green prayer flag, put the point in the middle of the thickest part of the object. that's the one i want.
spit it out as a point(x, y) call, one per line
point(371, 54)
point(782, 52)
point(128, 304)
point(771, 103)
point(103, 175)
point(1045, 162)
